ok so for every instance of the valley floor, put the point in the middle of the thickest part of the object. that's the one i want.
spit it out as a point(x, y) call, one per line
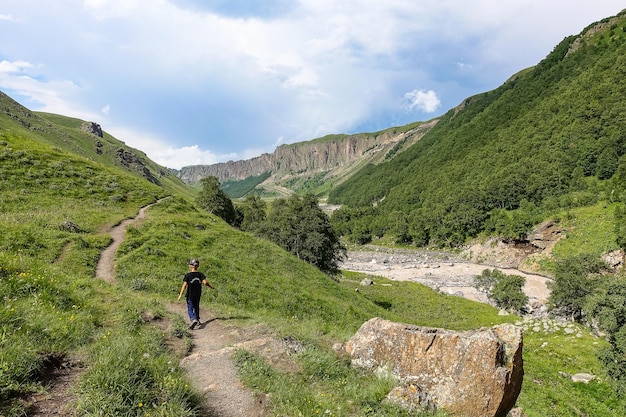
point(445, 272)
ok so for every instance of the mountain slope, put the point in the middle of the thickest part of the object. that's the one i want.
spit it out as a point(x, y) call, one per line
point(314, 165)
point(549, 131)
point(85, 139)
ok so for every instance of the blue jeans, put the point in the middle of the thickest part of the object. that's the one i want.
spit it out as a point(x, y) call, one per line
point(193, 309)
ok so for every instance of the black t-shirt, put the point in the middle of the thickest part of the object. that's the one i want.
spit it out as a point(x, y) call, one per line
point(194, 284)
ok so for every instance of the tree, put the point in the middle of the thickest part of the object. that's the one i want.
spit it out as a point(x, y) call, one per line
point(609, 310)
point(607, 163)
point(215, 201)
point(254, 213)
point(399, 227)
point(300, 226)
point(505, 291)
point(574, 281)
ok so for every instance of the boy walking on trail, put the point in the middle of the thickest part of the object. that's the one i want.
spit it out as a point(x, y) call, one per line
point(193, 282)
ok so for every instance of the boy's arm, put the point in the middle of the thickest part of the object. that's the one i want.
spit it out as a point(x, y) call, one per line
point(208, 284)
point(182, 290)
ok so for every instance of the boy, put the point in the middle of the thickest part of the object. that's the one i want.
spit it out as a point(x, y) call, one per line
point(193, 282)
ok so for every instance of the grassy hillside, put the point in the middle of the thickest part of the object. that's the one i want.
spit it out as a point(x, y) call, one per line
point(550, 138)
point(64, 133)
point(54, 205)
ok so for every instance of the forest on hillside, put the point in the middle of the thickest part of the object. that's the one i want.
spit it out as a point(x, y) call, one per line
point(552, 137)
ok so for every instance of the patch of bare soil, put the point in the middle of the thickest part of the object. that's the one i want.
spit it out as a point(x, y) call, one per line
point(59, 375)
point(211, 369)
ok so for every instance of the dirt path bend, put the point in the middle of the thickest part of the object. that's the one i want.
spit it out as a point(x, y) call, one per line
point(209, 363)
point(210, 367)
point(105, 269)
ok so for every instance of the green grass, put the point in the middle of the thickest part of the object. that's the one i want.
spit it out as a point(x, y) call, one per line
point(327, 386)
point(546, 393)
point(131, 373)
point(589, 230)
point(52, 305)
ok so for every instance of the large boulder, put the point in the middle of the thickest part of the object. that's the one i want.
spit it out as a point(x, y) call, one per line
point(472, 373)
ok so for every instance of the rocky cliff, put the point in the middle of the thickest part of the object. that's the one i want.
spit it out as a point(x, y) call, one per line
point(335, 155)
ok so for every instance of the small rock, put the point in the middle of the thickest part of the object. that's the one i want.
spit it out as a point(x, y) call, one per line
point(583, 377)
point(366, 282)
point(68, 226)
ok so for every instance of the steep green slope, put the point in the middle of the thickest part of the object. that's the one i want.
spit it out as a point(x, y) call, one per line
point(551, 130)
point(65, 133)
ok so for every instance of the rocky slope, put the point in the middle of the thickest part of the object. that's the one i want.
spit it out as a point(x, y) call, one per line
point(334, 157)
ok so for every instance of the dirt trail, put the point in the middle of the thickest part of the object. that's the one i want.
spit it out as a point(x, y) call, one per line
point(208, 364)
point(210, 367)
point(105, 269)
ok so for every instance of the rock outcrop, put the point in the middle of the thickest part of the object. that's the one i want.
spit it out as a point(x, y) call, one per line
point(331, 153)
point(93, 128)
point(473, 373)
point(128, 159)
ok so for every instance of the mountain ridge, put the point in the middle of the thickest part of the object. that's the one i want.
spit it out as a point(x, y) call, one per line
point(333, 157)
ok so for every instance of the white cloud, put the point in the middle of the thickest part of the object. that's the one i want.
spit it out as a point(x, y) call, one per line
point(426, 101)
point(161, 152)
point(9, 67)
point(8, 18)
point(106, 109)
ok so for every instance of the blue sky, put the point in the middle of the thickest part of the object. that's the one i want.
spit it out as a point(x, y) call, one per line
point(199, 82)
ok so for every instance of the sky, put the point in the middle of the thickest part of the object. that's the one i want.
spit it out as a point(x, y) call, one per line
point(193, 82)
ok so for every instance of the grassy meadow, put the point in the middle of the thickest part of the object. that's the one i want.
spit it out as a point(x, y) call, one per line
point(53, 308)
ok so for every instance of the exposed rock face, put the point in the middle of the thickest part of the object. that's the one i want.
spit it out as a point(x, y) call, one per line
point(93, 128)
point(546, 234)
point(232, 170)
point(474, 373)
point(314, 156)
point(131, 161)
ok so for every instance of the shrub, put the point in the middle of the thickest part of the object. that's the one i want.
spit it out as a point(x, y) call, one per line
point(505, 291)
point(609, 310)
